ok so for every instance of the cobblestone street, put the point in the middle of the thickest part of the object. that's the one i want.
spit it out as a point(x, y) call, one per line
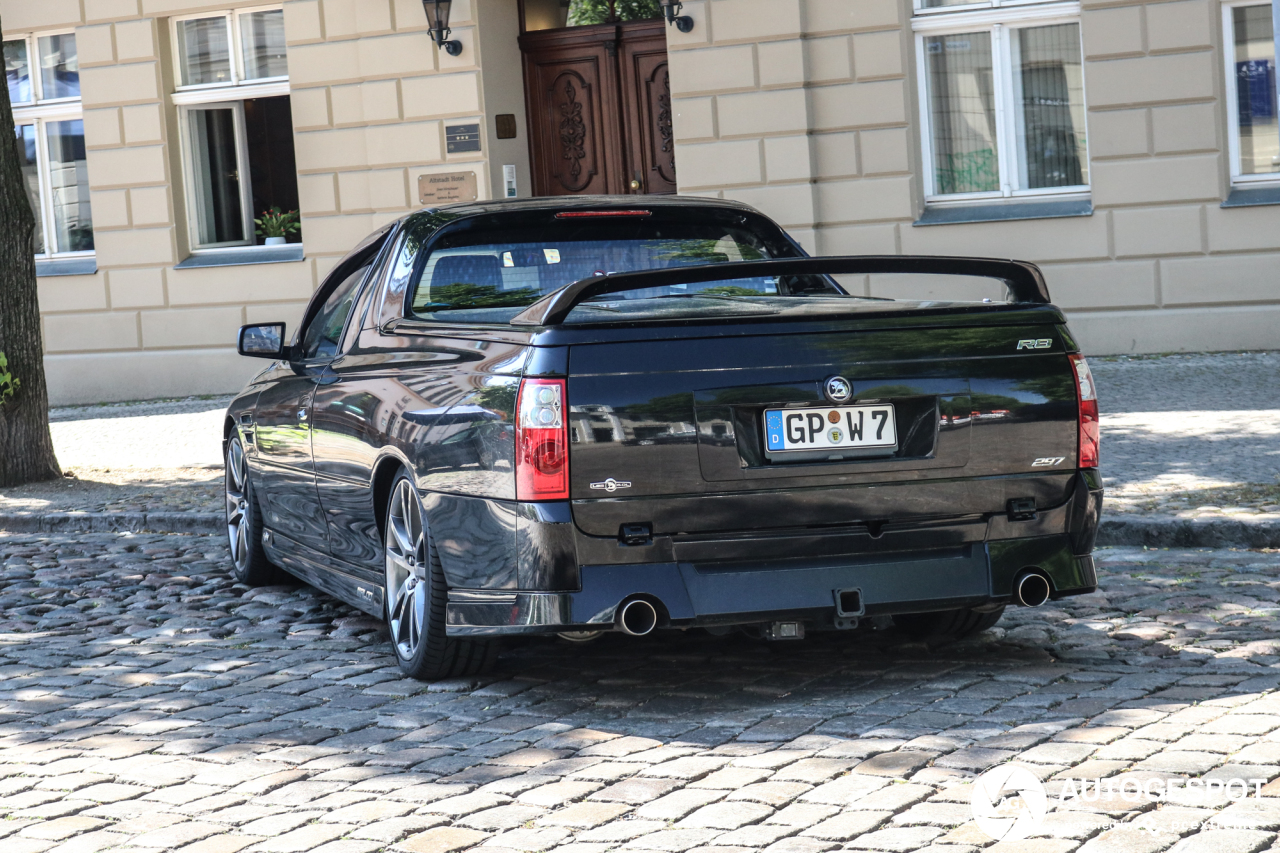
point(149, 703)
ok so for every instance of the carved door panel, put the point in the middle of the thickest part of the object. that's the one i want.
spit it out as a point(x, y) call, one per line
point(646, 95)
point(571, 87)
point(599, 107)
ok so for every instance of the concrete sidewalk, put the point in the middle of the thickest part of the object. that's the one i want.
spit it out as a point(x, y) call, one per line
point(1190, 456)
point(1191, 449)
point(1191, 435)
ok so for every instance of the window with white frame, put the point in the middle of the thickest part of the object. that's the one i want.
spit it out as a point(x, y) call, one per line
point(1002, 99)
point(1253, 132)
point(236, 125)
point(43, 76)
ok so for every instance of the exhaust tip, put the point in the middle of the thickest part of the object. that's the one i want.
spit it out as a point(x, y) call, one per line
point(1032, 589)
point(637, 617)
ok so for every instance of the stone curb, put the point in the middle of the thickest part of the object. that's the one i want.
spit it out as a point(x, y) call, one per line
point(112, 522)
point(1163, 531)
point(1152, 531)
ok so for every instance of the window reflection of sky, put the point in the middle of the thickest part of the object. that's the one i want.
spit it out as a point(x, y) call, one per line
point(59, 67)
point(17, 71)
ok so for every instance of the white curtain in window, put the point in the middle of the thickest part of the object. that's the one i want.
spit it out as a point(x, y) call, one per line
point(216, 171)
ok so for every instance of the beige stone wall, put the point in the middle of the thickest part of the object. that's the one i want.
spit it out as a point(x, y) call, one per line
point(370, 95)
point(808, 110)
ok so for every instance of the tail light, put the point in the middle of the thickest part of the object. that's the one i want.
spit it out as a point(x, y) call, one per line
point(542, 441)
point(1087, 396)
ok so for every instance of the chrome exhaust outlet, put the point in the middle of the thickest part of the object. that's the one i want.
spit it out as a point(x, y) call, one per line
point(1031, 589)
point(637, 617)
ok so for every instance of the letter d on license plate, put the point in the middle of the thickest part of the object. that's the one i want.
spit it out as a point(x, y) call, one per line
point(836, 427)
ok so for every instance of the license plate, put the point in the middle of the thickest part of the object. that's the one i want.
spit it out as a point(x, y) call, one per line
point(836, 427)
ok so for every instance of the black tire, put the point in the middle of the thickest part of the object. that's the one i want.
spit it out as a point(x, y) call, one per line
point(249, 561)
point(945, 625)
point(415, 595)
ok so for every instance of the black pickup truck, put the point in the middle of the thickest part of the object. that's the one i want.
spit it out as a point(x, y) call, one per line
point(579, 415)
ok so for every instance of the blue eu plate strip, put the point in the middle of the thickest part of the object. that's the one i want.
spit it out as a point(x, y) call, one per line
point(773, 430)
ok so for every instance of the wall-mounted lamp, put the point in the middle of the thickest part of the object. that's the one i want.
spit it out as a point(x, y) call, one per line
point(671, 11)
point(438, 20)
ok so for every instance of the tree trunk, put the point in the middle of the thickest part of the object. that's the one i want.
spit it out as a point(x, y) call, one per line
point(26, 448)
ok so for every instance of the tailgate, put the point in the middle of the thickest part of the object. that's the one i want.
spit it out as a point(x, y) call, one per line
point(672, 433)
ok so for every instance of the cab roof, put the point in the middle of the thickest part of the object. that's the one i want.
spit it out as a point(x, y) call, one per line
point(582, 202)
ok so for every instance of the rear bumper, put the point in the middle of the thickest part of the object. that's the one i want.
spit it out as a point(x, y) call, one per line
point(754, 578)
point(688, 595)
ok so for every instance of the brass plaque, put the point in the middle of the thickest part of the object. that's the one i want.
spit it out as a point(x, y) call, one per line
point(447, 188)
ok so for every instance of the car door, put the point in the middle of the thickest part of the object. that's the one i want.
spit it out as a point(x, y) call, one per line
point(345, 442)
point(290, 506)
point(291, 503)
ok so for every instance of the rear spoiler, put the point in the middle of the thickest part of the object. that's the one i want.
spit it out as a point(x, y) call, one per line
point(1024, 280)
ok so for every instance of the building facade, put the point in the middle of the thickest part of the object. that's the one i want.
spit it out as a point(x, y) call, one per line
point(1130, 148)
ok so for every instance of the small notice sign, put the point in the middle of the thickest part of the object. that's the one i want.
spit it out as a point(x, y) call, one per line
point(461, 137)
point(447, 188)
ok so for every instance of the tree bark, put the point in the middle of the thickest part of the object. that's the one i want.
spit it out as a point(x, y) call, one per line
point(26, 448)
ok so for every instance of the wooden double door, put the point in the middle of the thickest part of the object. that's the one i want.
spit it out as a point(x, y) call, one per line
point(599, 108)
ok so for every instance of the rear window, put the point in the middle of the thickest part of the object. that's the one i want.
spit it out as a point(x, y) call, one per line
point(488, 269)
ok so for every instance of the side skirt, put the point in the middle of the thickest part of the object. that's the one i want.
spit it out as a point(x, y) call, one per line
point(318, 571)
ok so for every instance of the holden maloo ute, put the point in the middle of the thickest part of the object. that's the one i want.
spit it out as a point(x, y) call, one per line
point(571, 416)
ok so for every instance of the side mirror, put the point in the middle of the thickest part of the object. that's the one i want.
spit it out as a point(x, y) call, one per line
point(263, 340)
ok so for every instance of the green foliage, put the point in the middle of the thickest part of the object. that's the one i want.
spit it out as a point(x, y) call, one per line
point(586, 12)
point(463, 295)
point(701, 251)
point(276, 224)
point(669, 408)
point(968, 172)
point(499, 397)
point(8, 382)
point(731, 290)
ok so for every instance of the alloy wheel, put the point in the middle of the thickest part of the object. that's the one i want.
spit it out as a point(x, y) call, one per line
point(406, 570)
point(237, 479)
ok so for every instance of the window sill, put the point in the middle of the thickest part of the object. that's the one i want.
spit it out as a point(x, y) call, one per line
point(48, 267)
point(247, 255)
point(1002, 211)
point(1253, 196)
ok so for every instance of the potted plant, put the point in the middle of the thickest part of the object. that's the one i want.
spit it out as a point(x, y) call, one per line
point(276, 226)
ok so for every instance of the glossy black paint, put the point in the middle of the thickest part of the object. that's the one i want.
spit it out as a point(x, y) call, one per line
point(673, 406)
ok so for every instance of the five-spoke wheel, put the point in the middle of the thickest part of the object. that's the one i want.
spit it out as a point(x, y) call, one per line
point(237, 478)
point(417, 596)
point(406, 570)
point(244, 520)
